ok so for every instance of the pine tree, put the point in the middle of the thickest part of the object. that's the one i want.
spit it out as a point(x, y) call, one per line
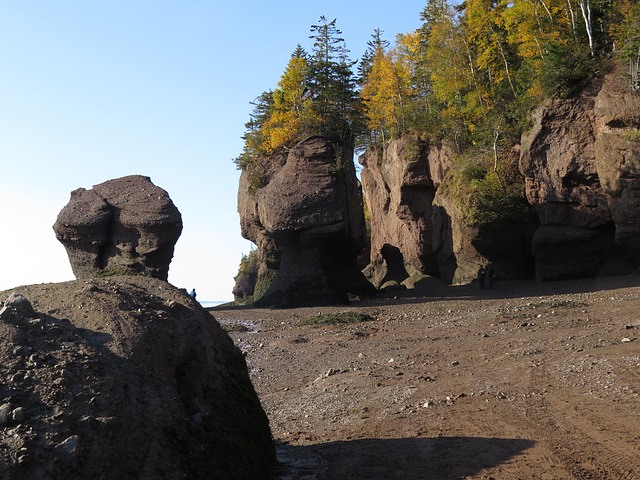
point(315, 95)
point(335, 100)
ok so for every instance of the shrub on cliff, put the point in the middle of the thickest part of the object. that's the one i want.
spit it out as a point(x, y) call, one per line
point(486, 191)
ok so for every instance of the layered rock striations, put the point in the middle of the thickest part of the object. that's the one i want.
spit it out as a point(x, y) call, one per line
point(127, 224)
point(581, 164)
point(305, 215)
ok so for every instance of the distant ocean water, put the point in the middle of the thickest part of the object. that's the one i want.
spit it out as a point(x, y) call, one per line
point(207, 303)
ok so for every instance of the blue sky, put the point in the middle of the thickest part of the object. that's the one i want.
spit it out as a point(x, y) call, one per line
point(93, 90)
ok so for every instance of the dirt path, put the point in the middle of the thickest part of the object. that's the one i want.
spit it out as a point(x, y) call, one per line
point(524, 381)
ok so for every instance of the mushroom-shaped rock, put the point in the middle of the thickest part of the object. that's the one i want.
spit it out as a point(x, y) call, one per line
point(127, 224)
point(308, 215)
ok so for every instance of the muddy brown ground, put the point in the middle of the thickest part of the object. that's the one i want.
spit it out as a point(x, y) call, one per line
point(526, 381)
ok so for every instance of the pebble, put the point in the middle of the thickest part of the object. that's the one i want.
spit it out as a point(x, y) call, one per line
point(68, 450)
point(89, 288)
point(18, 415)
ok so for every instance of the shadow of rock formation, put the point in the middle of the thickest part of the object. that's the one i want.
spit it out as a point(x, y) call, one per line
point(438, 458)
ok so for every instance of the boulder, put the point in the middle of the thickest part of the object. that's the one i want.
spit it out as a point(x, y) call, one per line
point(128, 379)
point(16, 306)
point(305, 216)
point(245, 285)
point(127, 224)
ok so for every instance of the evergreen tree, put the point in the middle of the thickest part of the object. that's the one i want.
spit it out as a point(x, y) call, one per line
point(316, 95)
point(335, 99)
point(374, 47)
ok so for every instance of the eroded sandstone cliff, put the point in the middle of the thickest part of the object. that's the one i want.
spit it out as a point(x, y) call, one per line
point(305, 215)
point(400, 182)
point(581, 166)
point(419, 228)
point(581, 161)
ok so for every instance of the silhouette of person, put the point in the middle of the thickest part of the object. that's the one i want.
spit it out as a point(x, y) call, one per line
point(482, 274)
point(193, 294)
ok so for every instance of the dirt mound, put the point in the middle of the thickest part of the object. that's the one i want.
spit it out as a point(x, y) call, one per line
point(123, 378)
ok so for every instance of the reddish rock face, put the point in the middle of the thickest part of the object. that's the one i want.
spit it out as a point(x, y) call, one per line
point(582, 174)
point(123, 224)
point(307, 220)
point(400, 183)
point(617, 158)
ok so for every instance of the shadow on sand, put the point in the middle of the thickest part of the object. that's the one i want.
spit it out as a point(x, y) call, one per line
point(440, 458)
point(504, 289)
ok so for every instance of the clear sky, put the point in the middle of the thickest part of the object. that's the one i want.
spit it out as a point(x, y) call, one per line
point(94, 90)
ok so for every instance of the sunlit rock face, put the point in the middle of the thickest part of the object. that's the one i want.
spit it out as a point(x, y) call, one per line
point(307, 220)
point(127, 224)
point(400, 182)
point(581, 162)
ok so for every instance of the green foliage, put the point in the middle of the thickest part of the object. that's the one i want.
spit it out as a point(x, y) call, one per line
point(486, 195)
point(567, 70)
point(631, 135)
point(627, 35)
point(481, 66)
point(336, 318)
point(249, 263)
point(316, 95)
point(262, 285)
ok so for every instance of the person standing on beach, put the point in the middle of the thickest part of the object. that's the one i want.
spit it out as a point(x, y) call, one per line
point(482, 273)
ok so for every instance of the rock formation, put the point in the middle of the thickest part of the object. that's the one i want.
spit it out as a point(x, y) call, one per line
point(617, 156)
point(245, 285)
point(305, 215)
point(417, 230)
point(400, 183)
point(581, 164)
point(461, 248)
point(123, 378)
point(127, 224)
